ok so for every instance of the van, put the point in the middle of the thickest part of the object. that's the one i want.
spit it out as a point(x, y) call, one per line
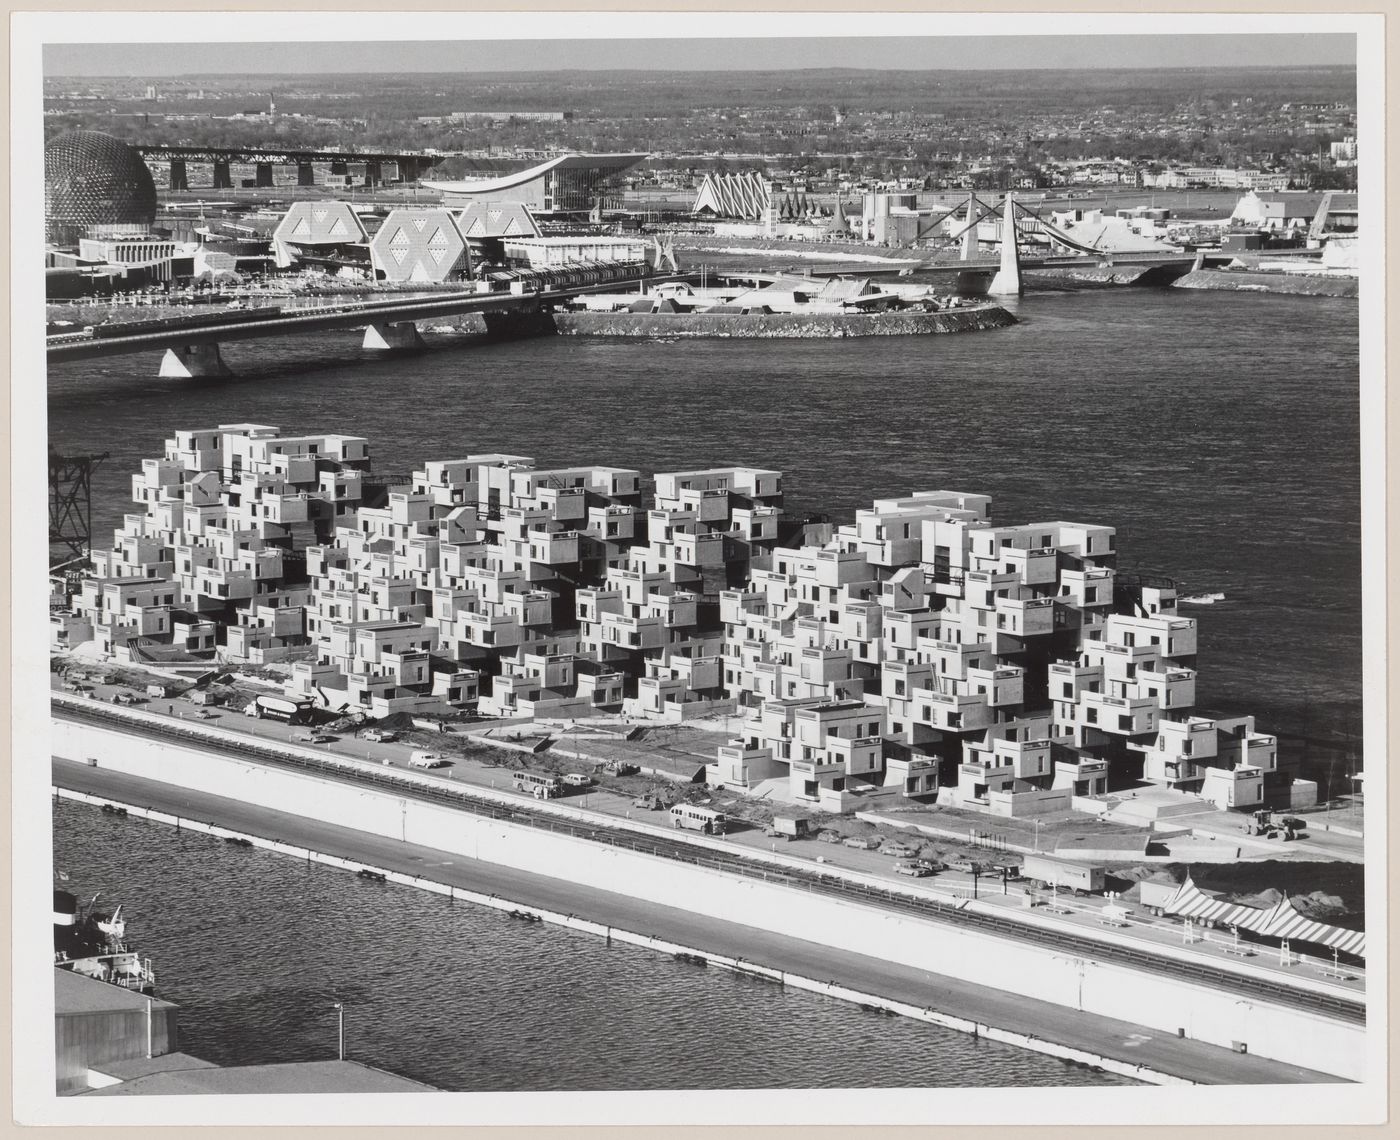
point(578, 780)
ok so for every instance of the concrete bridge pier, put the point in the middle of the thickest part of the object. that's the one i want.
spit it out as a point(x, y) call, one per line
point(306, 174)
point(397, 336)
point(1007, 282)
point(179, 174)
point(223, 176)
point(193, 362)
point(374, 174)
point(263, 174)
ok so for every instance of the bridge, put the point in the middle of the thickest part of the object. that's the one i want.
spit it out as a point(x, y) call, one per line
point(389, 325)
point(410, 165)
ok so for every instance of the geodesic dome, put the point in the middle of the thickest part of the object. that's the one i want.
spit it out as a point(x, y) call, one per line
point(92, 179)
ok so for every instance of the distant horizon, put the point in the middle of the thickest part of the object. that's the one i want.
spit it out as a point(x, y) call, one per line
point(209, 75)
point(925, 54)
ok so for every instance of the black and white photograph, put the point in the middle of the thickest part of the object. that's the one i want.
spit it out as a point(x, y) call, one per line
point(796, 569)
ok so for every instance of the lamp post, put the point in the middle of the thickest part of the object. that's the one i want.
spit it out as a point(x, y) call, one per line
point(340, 1017)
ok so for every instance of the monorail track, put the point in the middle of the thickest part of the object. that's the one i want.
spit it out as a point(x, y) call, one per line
point(679, 850)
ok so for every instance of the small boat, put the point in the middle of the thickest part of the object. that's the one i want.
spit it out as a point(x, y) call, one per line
point(1201, 599)
point(371, 876)
point(237, 841)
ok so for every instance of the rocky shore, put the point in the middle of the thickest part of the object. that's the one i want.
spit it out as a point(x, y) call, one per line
point(782, 325)
point(1296, 284)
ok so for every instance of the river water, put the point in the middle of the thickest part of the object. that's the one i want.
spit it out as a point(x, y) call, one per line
point(255, 947)
point(1217, 431)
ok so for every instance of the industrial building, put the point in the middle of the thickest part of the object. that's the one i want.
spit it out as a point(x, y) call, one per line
point(923, 650)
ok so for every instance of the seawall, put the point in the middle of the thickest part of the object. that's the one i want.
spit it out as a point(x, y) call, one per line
point(609, 933)
point(1203, 1014)
point(1249, 281)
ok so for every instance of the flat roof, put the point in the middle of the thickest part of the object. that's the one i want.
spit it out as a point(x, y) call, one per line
point(293, 1077)
point(76, 993)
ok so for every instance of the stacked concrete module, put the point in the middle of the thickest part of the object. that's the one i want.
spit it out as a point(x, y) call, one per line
point(215, 560)
point(920, 650)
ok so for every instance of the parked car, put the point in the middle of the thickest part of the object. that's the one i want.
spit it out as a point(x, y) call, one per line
point(621, 768)
point(829, 836)
point(578, 780)
point(650, 803)
point(205, 714)
point(380, 735)
point(429, 760)
point(916, 869)
point(898, 850)
point(862, 842)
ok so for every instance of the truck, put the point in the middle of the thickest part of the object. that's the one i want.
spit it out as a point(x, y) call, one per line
point(1066, 874)
point(290, 709)
point(789, 827)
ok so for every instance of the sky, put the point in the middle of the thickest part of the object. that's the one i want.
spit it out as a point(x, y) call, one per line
point(754, 54)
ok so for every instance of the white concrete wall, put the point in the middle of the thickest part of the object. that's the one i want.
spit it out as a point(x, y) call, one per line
point(1161, 1003)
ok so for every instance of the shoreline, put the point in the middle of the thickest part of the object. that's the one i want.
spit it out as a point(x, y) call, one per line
point(1088, 1033)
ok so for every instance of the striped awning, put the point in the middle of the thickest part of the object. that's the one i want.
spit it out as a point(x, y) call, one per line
point(1281, 921)
point(1285, 922)
point(1191, 902)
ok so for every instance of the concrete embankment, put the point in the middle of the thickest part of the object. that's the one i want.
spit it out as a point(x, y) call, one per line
point(611, 933)
point(1199, 1014)
point(783, 325)
point(1294, 284)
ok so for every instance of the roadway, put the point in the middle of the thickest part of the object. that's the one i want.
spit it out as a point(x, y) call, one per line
point(1106, 1037)
point(1006, 918)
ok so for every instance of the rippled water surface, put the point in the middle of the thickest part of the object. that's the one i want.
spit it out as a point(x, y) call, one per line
point(1217, 431)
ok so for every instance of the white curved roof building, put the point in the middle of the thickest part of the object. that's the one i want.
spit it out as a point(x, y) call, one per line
point(569, 182)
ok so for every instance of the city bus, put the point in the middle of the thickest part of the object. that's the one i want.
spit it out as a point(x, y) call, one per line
point(542, 787)
point(704, 819)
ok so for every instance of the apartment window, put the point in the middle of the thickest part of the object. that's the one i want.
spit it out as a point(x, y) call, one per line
point(928, 713)
point(875, 728)
point(1186, 747)
point(1125, 723)
point(899, 688)
point(897, 728)
point(1091, 594)
point(981, 690)
point(1091, 715)
point(1005, 542)
point(955, 720)
point(1130, 639)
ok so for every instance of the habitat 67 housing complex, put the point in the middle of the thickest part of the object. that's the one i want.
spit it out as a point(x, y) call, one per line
point(921, 651)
